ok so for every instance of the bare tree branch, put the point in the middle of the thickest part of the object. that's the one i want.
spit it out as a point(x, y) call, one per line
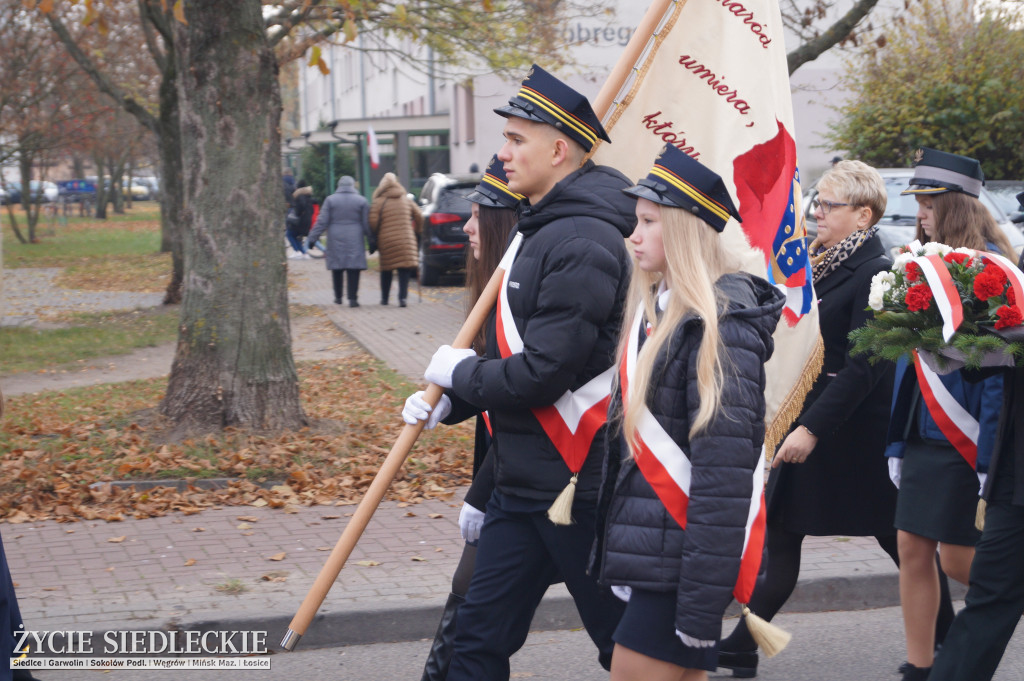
point(130, 104)
point(814, 48)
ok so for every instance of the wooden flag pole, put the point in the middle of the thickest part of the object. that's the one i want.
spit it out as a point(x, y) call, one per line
point(630, 55)
point(382, 480)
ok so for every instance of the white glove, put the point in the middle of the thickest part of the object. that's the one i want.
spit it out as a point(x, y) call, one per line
point(694, 642)
point(623, 593)
point(442, 365)
point(895, 469)
point(471, 519)
point(982, 477)
point(416, 409)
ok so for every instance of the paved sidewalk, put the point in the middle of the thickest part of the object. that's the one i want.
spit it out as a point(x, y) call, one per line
point(140, 574)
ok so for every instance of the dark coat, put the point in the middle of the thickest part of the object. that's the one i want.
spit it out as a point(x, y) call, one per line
point(345, 218)
point(302, 203)
point(843, 487)
point(566, 292)
point(643, 546)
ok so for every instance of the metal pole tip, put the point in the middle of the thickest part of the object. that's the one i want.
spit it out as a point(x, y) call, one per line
point(290, 640)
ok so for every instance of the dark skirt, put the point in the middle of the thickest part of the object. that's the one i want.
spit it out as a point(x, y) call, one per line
point(938, 495)
point(649, 627)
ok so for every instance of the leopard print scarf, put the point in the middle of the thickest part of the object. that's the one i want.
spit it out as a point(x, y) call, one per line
point(828, 260)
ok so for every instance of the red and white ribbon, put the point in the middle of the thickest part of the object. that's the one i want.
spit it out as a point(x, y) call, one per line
point(668, 469)
point(955, 422)
point(947, 298)
point(574, 419)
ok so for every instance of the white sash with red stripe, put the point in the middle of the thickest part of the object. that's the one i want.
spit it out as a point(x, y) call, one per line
point(574, 419)
point(955, 422)
point(667, 469)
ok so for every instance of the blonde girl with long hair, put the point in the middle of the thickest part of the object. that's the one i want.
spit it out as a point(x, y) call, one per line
point(689, 405)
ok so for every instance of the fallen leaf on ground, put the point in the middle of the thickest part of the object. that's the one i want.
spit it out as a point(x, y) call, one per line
point(190, 562)
point(116, 540)
point(277, 556)
point(367, 563)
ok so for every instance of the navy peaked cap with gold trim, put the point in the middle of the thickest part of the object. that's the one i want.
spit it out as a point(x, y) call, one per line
point(545, 99)
point(937, 172)
point(493, 189)
point(680, 181)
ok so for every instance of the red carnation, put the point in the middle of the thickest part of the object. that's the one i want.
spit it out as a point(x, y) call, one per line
point(958, 258)
point(1008, 316)
point(913, 271)
point(989, 282)
point(918, 298)
point(1011, 297)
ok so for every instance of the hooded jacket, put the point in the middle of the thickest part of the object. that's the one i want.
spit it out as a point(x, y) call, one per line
point(565, 293)
point(639, 544)
point(395, 220)
point(345, 218)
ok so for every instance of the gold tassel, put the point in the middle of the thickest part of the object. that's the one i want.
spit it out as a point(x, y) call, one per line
point(768, 637)
point(789, 409)
point(979, 516)
point(560, 512)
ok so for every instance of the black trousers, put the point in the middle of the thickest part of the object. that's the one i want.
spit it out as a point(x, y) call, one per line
point(519, 555)
point(995, 598)
point(404, 275)
point(353, 283)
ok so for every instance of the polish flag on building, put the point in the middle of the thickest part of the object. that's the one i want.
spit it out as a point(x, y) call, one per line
point(373, 148)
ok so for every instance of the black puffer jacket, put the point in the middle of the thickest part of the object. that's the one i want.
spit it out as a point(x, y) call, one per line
point(566, 292)
point(639, 544)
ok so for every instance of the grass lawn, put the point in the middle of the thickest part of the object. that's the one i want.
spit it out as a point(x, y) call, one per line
point(86, 336)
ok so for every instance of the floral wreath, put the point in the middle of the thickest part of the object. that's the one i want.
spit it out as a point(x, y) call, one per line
point(953, 302)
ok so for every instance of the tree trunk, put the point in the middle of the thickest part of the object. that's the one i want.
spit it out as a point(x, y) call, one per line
point(233, 364)
point(101, 188)
point(170, 185)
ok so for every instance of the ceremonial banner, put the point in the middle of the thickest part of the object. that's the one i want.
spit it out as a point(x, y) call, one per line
point(712, 80)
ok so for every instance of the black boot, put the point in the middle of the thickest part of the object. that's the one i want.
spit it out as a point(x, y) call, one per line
point(743, 663)
point(440, 656)
point(912, 673)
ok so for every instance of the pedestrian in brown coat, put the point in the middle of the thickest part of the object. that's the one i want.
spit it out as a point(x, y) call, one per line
point(395, 220)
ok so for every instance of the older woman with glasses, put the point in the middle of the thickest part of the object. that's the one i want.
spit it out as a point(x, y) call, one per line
point(829, 476)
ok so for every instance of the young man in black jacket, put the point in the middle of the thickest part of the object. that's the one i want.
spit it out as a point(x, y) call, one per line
point(546, 378)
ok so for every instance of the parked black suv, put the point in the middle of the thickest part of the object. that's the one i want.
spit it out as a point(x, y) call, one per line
point(445, 211)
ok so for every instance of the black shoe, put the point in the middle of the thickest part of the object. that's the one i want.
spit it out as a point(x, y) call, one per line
point(912, 673)
point(401, 303)
point(353, 303)
point(383, 301)
point(440, 656)
point(742, 663)
point(337, 301)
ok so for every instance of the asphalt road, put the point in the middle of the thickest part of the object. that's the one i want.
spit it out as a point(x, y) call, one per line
point(834, 646)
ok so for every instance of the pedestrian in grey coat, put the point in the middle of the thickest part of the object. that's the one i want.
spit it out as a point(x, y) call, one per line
point(345, 217)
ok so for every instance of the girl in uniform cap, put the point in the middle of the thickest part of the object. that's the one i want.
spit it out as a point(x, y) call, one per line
point(938, 486)
point(689, 405)
point(492, 221)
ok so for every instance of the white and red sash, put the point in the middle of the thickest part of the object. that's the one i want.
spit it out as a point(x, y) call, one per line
point(955, 422)
point(574, 419)
point(667, 469)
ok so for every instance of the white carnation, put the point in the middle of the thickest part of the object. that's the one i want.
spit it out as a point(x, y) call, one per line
point(900, 263)
point(935, 248)
point(876, 299)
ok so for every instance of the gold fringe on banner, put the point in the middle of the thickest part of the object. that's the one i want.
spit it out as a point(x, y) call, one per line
point(791, 407)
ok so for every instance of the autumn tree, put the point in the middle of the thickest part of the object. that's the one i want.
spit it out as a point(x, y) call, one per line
point(34, 116)
point(946, 79)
